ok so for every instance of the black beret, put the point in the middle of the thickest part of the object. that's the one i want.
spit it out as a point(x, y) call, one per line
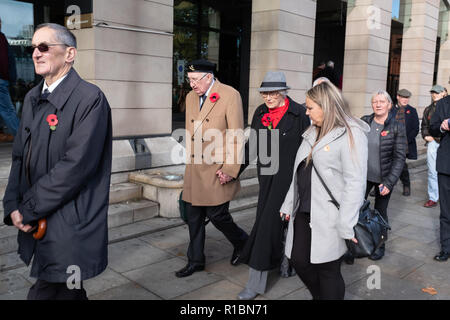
point(201, 65)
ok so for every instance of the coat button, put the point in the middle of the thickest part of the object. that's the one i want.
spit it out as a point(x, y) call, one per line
point(192, 156)
point(207, 120)
point(192, 120)
point(192, 138)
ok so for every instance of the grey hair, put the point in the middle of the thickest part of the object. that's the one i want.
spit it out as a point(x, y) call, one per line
point(383, 93)
point(283, 93)
point(320, 80)
point(63, 35)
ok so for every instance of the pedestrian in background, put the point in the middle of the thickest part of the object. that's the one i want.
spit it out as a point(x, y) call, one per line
point(432, 143)
point(7, 110)
point(334, 147)
point(264, 250)
point(440, 127)
point(407, 114)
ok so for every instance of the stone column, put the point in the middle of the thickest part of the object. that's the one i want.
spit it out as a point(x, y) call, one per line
point(131, 62)
point(418, 50)
point(282, 39)
point(443, 77)
point(366, 52)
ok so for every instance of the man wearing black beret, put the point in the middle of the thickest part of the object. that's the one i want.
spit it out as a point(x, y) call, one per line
point(212, 108)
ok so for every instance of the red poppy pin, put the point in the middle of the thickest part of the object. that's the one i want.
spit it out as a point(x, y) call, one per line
point(384, 133)
point(408, 111)
point(52, 120)
point(214, 97)
point(267, 121)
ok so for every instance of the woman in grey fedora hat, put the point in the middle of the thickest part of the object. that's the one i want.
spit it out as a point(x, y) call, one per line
point(283, 120)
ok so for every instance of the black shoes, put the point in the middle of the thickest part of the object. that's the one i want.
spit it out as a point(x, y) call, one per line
point(406, 191)
point(188, 270)
point(442, 256)
point(235, 257)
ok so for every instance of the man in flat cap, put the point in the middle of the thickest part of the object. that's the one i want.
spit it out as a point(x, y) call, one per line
point(432, 143)
point(408, 115)
point(60, 172)
point(212, 109)
point(440, 127)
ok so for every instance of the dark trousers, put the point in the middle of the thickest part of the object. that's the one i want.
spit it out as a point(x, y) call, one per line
point(404, 176)
point(220, 217)
point(444, 218)
point(43, 290)
point(381, 202)
point(323, 280)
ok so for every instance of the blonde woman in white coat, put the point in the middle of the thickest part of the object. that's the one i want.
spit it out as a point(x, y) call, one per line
point(336, 145)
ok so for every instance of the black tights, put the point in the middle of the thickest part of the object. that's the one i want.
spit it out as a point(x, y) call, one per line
point(324, 280)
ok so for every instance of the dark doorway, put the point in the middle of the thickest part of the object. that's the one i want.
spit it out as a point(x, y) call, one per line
point(395, 55)
point(215, 30)
point(329, 43)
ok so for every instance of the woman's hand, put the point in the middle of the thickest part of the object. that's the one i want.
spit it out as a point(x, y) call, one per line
point(384, 190)
point(354, 240)
point(429, 138)
point(284, 216)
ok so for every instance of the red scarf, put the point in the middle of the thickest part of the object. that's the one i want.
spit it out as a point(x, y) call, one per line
point(277, 113)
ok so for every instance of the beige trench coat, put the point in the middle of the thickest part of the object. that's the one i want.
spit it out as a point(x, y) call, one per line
point(209, 148)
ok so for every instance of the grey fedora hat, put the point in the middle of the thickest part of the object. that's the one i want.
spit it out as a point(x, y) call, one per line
point(273, 81)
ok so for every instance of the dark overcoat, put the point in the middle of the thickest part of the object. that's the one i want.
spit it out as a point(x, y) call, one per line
point(264, 248)
point(63, 175)
point(443, 153)
point(412, 129)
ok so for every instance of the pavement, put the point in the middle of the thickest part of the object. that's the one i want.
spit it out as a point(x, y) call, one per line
point(144, 268)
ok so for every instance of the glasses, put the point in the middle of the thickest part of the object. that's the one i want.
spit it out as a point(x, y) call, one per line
point(195, 81)
point(273, 94)
point(44, 47)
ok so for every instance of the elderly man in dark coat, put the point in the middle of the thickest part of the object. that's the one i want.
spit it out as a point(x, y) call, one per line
point(408, 115)
point(60, 172)
point(440, 127)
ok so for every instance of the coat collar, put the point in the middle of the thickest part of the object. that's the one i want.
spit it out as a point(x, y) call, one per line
point(293, 108)
point(62, 92)
point(311, 134)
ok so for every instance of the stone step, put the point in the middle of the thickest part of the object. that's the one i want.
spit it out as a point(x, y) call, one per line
point(124, 213)
point(124, 191)
point(157, 224)
point(249, 188)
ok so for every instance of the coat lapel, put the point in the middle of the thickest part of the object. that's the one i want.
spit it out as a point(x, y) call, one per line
point(207, 107)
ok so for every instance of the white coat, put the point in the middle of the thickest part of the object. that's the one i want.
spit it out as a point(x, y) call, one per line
point(344, 170)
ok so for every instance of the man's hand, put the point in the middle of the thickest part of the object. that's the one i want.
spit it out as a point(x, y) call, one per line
point(17, 219)
point(223, 177)
point(429, 138)
point(444, 125)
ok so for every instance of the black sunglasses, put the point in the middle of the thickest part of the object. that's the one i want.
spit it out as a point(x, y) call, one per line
point(43, 47)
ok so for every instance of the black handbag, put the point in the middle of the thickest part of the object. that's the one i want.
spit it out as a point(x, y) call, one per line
point(369, 230)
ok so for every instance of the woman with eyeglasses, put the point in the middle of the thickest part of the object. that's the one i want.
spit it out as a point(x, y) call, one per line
point(334, 148)
point(276, 133)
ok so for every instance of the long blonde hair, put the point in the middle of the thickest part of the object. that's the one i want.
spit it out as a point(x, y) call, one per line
point(335, 111)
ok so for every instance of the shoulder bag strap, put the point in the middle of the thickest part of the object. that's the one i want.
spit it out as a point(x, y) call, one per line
point(333, 200)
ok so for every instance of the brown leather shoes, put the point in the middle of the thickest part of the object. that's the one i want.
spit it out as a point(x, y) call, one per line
point(430, 204)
